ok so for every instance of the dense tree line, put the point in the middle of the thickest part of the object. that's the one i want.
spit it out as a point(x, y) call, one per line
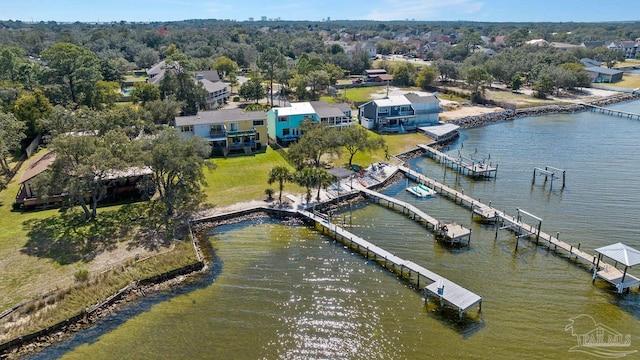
point(61, 78)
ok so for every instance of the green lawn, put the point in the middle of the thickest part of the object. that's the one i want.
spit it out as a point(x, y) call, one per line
point(243, 178)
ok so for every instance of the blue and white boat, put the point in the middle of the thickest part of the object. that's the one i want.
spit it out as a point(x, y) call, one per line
point(421, 190)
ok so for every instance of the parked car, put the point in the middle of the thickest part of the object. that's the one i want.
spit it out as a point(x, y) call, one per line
point(356, 81)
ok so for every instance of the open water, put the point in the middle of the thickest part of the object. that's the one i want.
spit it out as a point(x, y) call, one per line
point(283, 291)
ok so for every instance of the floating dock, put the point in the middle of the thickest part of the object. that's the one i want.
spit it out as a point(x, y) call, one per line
point(465, 166)
point(445, 290)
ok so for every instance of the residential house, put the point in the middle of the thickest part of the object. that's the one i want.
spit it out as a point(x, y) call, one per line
point(217, 91)
point(372, 74)
point(604, 75)
point(283, 123)
point(629, 47)
point(156, 72)
point(228, 131)
point(119, 184)
point(397, 114)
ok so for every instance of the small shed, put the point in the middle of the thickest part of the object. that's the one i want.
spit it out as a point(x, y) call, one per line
point(621, 254)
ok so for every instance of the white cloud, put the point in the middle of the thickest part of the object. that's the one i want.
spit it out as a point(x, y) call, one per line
point(423, 9)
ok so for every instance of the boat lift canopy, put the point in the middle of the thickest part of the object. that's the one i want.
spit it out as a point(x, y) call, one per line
point(623, 254)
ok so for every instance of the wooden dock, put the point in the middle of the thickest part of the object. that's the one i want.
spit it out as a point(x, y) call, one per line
point(465, 166)
point(604, 271)
point(615, 112)
point(448, 232)
point(445, 290)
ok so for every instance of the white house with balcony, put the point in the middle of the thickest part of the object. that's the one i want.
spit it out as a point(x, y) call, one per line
point(400, 113)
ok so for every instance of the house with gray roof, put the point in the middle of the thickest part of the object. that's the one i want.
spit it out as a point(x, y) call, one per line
point(604, 75)
point(228, 131)
point(400, 113)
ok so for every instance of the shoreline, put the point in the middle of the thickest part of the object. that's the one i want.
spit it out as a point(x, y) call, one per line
point(30, 344)
point(489, 118)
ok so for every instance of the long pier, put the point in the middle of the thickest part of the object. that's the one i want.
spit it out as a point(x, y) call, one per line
point(607, 272)
point(444, 289)
point(615, 112)
point(465, 166)
point(448, 232)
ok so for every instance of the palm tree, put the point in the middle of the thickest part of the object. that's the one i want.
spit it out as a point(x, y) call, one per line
point(323, 179)
point(281, 174)
point(307, 179)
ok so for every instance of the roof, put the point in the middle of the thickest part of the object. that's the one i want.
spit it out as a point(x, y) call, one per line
point(211, 75)
point(406, 99)
point(621, 253)
point(324, 110)
point(38, 166)
point(344, 107)
point(220, 117)
point(384, 77)
point(602, 70)
point(340, 173)
point(299, 108)
point(417, 99)
point(397, 100)
point(590, 62)
point(211, 86)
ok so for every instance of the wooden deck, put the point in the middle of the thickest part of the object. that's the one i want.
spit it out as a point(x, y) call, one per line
point(448, 232)
point(604, 271)
point(468, 167)
point(452, 294)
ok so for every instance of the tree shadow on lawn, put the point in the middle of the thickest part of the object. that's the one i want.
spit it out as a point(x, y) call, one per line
point(68, 237)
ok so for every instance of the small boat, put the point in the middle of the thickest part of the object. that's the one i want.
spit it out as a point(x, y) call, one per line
point(429, 191)
point(420, 191)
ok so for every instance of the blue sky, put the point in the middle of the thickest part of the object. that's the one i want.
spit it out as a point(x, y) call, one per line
point(429, 10)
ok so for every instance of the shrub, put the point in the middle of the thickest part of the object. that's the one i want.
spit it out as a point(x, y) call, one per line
point(81, 275)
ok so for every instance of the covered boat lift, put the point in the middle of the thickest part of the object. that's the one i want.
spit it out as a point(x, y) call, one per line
point(621, 254)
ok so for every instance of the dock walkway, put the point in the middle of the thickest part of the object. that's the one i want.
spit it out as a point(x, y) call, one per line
point(448, 232)
point(608, 111)
point(446, 290)
point(471, 168)
point(604, 271)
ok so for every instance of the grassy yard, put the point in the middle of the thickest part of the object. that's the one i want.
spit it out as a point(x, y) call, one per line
point(628, 82)
point(41, 250)
point(243, 178)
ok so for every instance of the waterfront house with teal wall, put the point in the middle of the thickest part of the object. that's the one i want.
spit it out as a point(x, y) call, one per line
point(283, 123)
point(396, 114)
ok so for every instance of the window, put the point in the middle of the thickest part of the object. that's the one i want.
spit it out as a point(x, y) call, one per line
point(383, 110)
point(282, 119)
point(258, 122)
point(186, 128)
point(404, 108)
point(257, 137)
point(217, 129)
point(233, 126)
point(285, 132)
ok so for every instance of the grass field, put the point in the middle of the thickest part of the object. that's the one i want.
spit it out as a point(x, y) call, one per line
point(243, 178)
point(628, 82)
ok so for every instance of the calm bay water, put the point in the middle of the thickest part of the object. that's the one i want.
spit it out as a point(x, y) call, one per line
point(286, 292)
